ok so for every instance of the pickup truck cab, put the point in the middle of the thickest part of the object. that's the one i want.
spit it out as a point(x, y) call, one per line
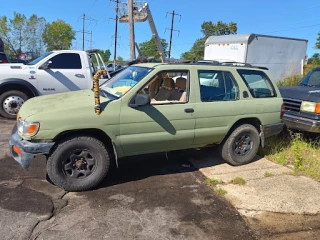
point(54, 72)
point(143, 110)
point(302, 103)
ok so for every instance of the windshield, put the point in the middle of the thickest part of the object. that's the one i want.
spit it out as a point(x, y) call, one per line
point(35, 61)
point(312, 79)
point(121, 83)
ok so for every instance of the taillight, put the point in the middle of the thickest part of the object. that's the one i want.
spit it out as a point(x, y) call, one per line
point(5, 61)
point(282, 110)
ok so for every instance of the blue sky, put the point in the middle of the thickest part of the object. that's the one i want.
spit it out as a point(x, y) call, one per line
point(287, 18)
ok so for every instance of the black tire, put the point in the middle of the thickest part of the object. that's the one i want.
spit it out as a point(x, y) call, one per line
point(14, 104)
point(66, 169)
point(241, 146)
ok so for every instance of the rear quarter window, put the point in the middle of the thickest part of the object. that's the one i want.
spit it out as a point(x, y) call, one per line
point(258, 83)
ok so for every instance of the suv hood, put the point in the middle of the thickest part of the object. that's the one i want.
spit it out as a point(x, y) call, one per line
point(301, 92)
point(61, 103)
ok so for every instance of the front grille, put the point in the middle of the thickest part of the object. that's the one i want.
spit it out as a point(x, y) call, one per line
point(292, 105)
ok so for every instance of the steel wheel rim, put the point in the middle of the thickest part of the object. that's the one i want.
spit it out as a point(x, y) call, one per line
point(80, 164)
point(12, 104)
point(243, 145)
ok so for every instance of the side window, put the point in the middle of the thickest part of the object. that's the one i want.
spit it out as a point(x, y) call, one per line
point(168, 87)
point(66, 61)
point(258, 83)
point(217, 86)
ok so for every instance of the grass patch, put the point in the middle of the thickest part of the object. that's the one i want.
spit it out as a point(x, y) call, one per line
point(267, 174)
point(238, 181)
point(302, 151)
point(213, 182)
point(221, 191)
point(289, 81)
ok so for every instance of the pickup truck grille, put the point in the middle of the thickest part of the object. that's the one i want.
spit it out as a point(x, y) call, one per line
point(292, 105)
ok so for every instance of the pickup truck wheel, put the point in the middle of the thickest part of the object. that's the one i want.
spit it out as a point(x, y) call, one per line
point(78, 164)
point(241, 146)
point(10, 103)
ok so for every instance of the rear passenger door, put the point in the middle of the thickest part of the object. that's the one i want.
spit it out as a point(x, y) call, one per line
point(217, 105)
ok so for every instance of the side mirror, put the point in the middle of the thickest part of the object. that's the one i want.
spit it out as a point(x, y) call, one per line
point(45, 65)
point(140, 100)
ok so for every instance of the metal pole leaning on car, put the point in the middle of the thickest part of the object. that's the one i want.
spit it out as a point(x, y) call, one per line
point(96, 92)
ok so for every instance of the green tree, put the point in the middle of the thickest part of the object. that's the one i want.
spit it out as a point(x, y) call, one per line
point(209, 29)
point(318, 41)
point(120, 59)
point(34, 29)
point(5, 35)
point(149, 48)
point(105, 55)
point(58, 35)
point(315, 59)
point(18, 30)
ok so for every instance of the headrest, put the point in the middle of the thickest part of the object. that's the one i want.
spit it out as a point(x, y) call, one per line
point(155, 84)
point(181, 83)
point(168, 83)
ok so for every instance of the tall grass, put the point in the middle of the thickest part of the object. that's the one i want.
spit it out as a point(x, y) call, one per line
point(300, 151)
point(294, 79)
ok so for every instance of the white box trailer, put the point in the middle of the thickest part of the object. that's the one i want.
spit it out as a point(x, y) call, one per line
point(282, 56)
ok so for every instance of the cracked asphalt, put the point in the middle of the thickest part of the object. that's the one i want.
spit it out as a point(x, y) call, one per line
point(147, 197)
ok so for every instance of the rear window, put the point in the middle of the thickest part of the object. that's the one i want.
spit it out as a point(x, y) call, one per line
point(258, 83)
point(3, 58)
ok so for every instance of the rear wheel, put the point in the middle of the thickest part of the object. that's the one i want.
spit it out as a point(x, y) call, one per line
point(241, 146)
point(79, 163)
point(10, 103)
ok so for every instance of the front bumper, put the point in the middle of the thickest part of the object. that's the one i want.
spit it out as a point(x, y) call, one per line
point(301, 123)
point(26, 150)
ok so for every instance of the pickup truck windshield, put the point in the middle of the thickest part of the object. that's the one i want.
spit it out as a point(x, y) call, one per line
point(35, 61)
point(121, 83)
point(312, 79)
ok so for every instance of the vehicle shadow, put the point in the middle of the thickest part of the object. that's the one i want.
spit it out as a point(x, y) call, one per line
point(133, 169)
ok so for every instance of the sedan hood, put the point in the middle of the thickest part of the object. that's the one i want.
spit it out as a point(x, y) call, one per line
point(301, 92)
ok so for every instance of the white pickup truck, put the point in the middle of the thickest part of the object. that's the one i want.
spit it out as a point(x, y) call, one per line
point(54, 72)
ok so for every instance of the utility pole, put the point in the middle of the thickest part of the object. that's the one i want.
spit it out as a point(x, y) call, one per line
point(131, 30)
point(171, 30)
point(84, 19)
point(116, 36)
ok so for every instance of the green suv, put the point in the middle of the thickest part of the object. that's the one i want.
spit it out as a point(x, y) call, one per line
point(147, 108)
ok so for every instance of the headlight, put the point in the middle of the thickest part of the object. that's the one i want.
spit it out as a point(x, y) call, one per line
point(27, 129)
point(312, 107)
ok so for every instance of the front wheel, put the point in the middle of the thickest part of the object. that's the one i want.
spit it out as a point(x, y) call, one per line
point(241, 146)
point(78, 164)
point(10, 103)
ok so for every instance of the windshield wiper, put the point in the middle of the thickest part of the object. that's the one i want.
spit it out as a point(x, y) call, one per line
point(305, 84)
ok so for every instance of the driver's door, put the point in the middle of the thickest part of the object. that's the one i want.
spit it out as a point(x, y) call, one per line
point(66, 72)
point(160, 126)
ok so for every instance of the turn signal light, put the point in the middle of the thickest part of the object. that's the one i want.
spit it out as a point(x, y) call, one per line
point(17, 150)
point(317, 110)
point(32, 129)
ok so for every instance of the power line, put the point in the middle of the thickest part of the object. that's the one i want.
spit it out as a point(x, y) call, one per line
point(94, 3)
point(84, 19)
point(288, 29)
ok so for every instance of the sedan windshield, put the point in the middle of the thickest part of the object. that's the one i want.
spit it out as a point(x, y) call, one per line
point(312, 79)
point(121, 83)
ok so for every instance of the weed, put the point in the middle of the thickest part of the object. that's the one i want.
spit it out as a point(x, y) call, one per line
point(213, 182)
point(238, 180)
point(221, 191)
point(267, 174)
point(299, 150)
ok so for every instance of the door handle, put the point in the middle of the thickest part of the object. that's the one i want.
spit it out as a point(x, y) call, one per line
point(189, 110)
point(79, 75)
